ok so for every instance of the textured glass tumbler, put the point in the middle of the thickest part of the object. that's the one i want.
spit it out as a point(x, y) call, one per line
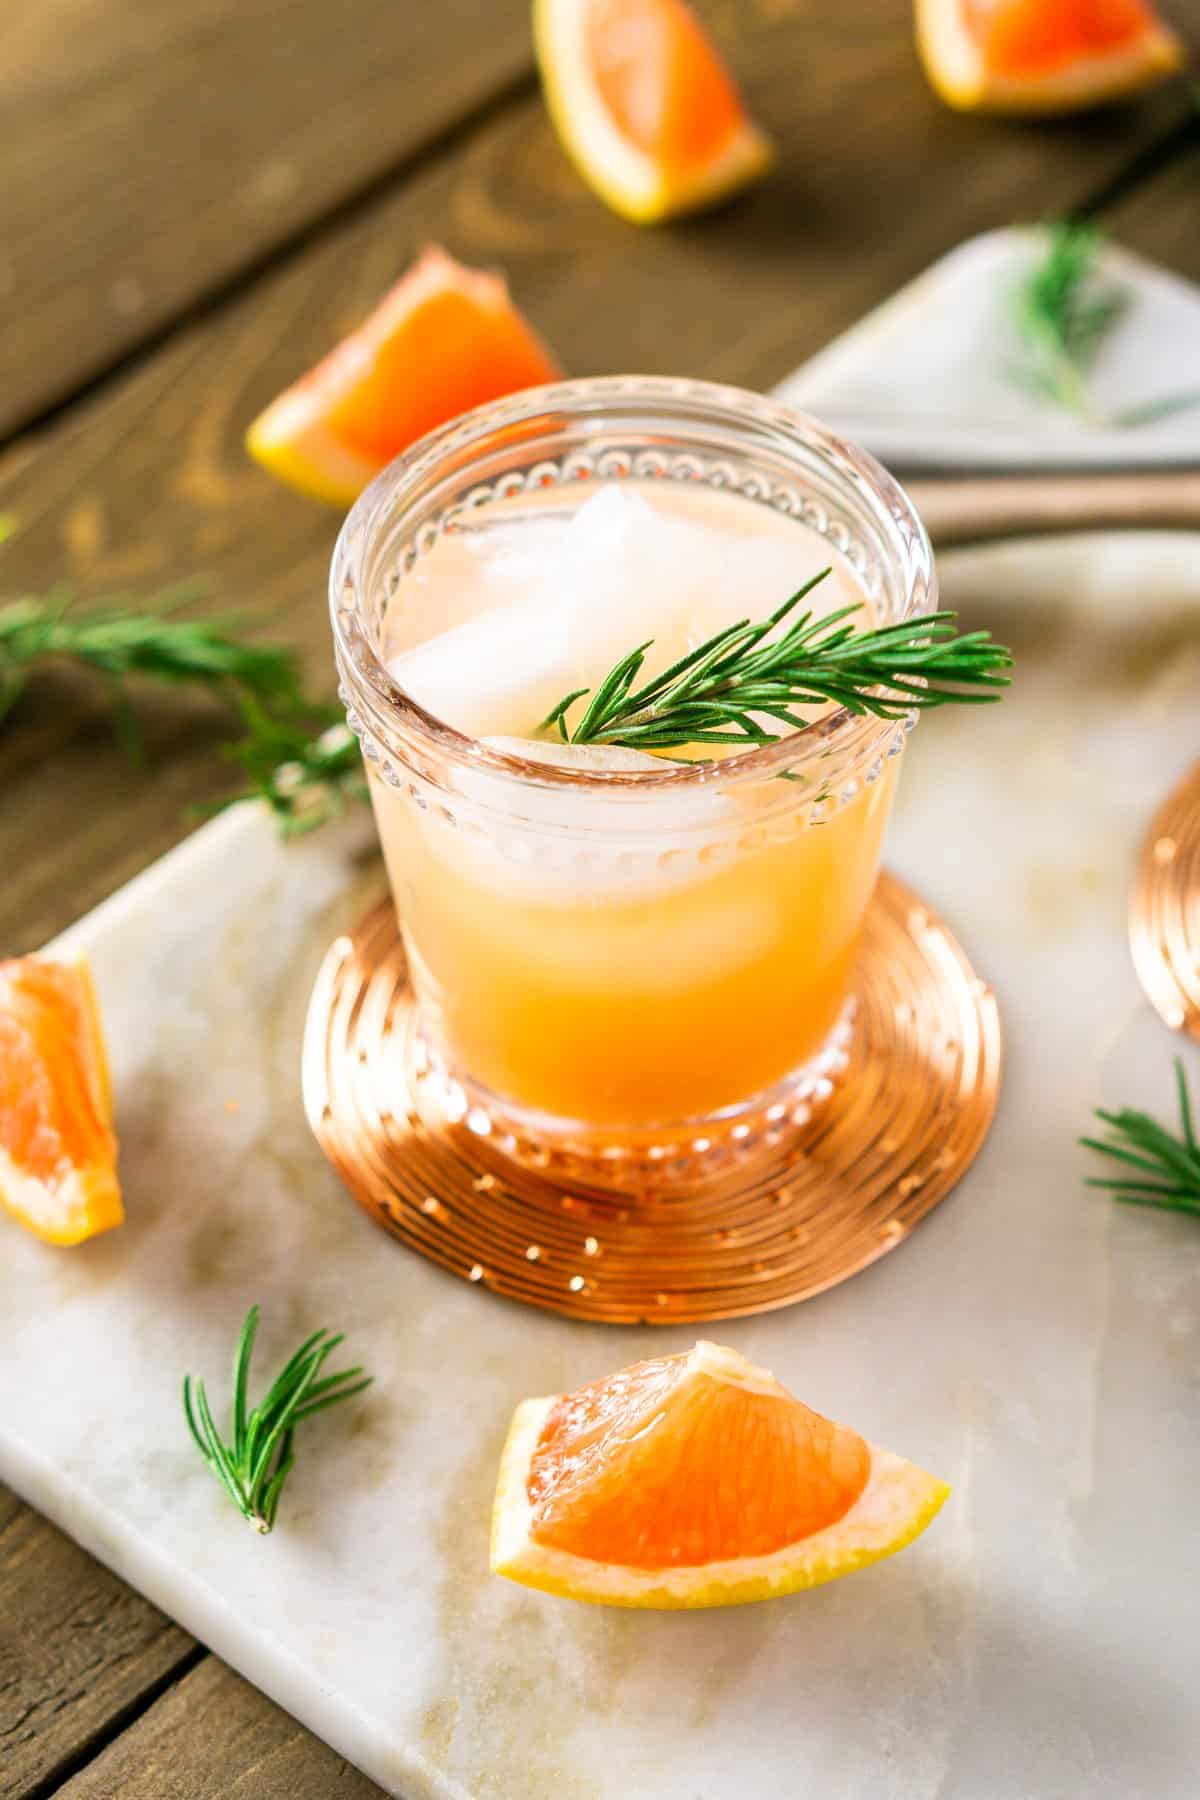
point(626, 976)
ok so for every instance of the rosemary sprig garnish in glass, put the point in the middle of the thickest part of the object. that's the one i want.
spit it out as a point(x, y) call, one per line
point(1064, 314)
point(1162, 1167)
point(720, 692)
point(256, 1461)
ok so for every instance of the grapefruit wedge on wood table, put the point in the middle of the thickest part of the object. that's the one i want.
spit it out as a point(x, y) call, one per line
point(58, 1154)
point(444, 339)
point(1043, 56)
point(691, 1481)
point(644, 105)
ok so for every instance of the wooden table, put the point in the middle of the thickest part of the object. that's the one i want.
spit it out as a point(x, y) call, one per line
point(197, 200)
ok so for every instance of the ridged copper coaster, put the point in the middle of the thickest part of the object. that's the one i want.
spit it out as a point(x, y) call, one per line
point(1164, 909)
point(903, 1124)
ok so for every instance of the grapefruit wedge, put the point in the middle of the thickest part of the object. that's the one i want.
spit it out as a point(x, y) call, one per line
point(58, 1154)
point(691, 1481)
point(444, 339)
point(1043, 56)
point(644, 105)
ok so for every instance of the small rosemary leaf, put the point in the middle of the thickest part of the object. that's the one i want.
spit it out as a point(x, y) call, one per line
point(802, 593)
point(618, 680)
point(656, 689)
point(1134, 1197)
point(1149, 412)
point(283, 1419)
point(1120, 1154)
point(241, 1375)
point(557, 717)
point(347, 1393)
point(332, 1381)
point(310, 1343)
point(724, 645)
point(190, 1416)
point(1119, 1184)
point(217, 1452)
point(279, 1399)
point(270, 1498)
point(1181, 1087)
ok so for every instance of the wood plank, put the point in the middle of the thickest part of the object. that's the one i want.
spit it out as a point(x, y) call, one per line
point(151, 150)
point(149, 483)
point(214, 1737)
point(77, 1650)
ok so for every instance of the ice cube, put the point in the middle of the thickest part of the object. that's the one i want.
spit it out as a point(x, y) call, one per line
point(537, 609)
point(482, 676)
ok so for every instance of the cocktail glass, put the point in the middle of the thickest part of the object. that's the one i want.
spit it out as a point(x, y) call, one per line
point(628, 978)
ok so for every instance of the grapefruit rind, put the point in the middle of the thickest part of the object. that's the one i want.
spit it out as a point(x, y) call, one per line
point(896, 1505)
point(624, 176)
point(292, 441)
point(81, 1206)
point(958, 71)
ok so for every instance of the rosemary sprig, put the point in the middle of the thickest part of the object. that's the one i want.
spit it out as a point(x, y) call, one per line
point(254, 1464)
point(306, 769)
point(1164, 1166)
point(719, 692)
point(1063, 315)
point(118, 639)
point(296, 752)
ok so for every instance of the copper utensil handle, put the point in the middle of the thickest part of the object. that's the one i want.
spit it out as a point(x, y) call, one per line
point(973, 509)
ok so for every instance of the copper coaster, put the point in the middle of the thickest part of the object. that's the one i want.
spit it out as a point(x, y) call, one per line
point(903, 1124)
point(1164, 909)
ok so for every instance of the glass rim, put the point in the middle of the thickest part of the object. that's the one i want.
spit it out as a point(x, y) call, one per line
point(402, 480)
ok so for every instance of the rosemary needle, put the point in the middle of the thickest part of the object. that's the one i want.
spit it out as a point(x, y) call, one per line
point(720, 692)
point(254, 1464)
point(1160, 1167)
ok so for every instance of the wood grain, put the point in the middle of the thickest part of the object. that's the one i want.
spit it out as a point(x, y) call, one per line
point(148, 482)
point(151, 150)
point(77, 1649)
point(214, 1737)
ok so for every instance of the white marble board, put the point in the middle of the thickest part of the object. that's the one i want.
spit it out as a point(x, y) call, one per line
point(1032, 1342)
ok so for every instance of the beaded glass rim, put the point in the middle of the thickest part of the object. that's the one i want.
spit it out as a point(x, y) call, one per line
point(377, 704)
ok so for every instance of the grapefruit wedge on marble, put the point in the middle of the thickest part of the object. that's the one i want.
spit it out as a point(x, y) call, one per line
point(58, 1154)
point(1043, 56)
point(644, 106)
point(691, 1481)
point(445, 338)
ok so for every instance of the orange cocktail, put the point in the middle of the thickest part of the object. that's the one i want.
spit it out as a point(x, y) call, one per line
point(612, 949)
